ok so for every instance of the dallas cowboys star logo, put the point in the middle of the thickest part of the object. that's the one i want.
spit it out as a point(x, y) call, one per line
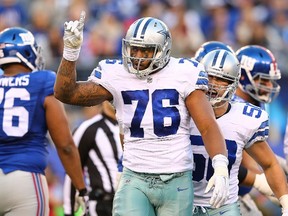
point(164, 32)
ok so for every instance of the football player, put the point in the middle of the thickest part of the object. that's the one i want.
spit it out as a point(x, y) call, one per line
point(258, 86)
point(155, 96)
point(28, 110)
point(210, 46)
point(244, 126)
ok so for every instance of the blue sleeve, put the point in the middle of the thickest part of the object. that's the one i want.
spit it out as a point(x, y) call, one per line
point(46, 80)
point(49, 82)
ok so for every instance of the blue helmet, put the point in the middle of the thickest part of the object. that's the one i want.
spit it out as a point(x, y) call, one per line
point(259, 73)
point(18, 45)
point(209, 46)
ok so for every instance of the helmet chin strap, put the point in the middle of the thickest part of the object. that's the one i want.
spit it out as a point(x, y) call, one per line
point(25, 61)
point(213, 103)
point(224, 98)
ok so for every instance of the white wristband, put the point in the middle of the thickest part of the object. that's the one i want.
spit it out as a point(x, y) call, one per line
point(284, 201)
point(71, 54)
point(284, 212)
point(219, 160)
point(220, 163)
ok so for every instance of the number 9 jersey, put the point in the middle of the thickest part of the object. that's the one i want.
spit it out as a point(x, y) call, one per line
point(23, 126)
point(152, 112)
point(242, 126)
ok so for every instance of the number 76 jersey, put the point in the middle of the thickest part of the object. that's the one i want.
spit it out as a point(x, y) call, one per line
point(242, 126)
point(153, 114)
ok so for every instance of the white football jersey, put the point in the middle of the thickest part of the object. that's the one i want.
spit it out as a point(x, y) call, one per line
point(153, 114)
point(242, 126)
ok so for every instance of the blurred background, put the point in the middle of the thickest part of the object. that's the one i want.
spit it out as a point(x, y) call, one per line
point(191, 22)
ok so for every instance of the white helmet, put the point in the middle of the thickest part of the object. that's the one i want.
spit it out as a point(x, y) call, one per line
point(225, 65)
point(147, 32)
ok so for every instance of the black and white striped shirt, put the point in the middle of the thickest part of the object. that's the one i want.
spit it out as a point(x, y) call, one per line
point(100, 149)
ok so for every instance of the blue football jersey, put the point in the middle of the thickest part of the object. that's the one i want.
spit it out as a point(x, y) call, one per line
point(23, 128)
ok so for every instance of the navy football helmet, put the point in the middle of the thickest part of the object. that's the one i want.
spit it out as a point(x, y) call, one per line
point(149, 33)
point(208, 47)
point(222, 64)
point(18, 45)
point(259, 73)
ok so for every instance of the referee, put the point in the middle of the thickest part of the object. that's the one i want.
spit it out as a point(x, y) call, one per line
point(100, 149)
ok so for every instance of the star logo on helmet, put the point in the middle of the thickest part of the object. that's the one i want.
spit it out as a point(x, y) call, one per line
point(165, 33)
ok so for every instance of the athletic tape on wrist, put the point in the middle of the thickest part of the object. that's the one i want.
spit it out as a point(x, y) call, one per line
point(71, 54)
point(219, 160)
point(284, 201)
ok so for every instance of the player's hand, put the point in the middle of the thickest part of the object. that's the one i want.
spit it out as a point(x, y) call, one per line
point(284, 204)
point(73, 32)
point(261, 184)
point(82, 201)
point(219, 181)
point(73, 37)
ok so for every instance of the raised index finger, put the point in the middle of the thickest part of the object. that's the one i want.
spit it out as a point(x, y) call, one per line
point(82, 17)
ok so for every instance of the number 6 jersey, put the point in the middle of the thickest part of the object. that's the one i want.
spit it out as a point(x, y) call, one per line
point(242, 125)
point(23, 126)
point(153, 114)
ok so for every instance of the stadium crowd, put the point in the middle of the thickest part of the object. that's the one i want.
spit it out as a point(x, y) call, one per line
point(235, 22)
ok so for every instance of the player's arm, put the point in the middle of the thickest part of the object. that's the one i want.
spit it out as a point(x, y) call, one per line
point(249, 163)
point(251, 179)
point(273, 171)
point(66, 88)
point(203, 116)
point(59, 130)
point(70, 91)
point(244, 177)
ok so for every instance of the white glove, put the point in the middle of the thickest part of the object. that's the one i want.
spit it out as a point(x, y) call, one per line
point(284, 203)
point(82, 201)
point(219, 180)
point(284, 212)
point(262, 185)
point(73, 38)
